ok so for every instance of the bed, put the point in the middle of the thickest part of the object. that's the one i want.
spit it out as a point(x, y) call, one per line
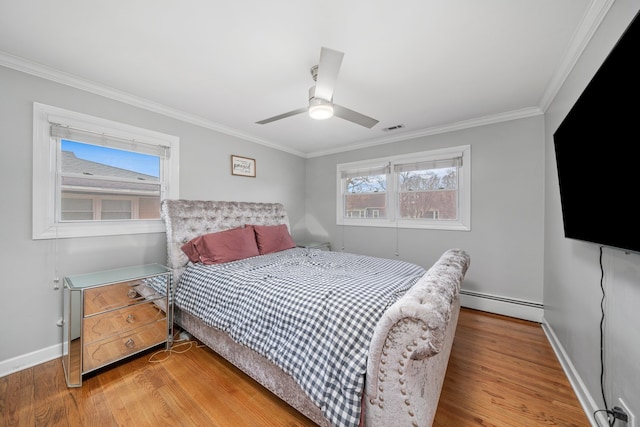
point(286, 316)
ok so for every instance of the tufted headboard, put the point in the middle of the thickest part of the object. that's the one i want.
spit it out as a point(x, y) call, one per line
point(186, 219)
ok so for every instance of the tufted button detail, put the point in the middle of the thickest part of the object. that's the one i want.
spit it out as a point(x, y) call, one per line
point(407, 402)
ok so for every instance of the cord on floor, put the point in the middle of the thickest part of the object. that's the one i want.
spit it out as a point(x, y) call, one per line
point(180, 345)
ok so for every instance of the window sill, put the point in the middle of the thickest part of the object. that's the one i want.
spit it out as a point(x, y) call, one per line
point(90, 229)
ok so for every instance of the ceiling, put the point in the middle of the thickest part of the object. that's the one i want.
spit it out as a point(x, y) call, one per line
point(429, 65)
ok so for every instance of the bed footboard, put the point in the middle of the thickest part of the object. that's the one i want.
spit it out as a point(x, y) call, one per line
point(410, 348)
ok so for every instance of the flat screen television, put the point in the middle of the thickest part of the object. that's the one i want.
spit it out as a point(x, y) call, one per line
point(595, 147)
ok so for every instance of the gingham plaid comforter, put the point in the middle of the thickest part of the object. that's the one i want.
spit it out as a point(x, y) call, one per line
point(311, 312)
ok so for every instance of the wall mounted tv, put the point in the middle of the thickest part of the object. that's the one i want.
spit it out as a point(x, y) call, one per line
point(595, 146)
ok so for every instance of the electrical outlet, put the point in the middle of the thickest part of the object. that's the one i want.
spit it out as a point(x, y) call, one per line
point(631, 422)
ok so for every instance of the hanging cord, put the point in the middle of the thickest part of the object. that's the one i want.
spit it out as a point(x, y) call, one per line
point(604, 397)
point(397, 241)
point(610, 417)
point(57, 209)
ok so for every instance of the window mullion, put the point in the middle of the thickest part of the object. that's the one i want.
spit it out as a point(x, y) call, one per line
point(392, 195)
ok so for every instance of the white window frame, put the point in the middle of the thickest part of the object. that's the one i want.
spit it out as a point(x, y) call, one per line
point(45, 152)
point(463, 223)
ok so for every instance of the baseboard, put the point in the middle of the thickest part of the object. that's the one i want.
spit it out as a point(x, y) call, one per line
point(582, 393)
point(485, 302)
point(28, 360)
point(520, 309)
point(499, 305)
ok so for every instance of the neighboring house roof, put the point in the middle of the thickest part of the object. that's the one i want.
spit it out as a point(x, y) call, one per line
point(72, 164)
point(94, 171)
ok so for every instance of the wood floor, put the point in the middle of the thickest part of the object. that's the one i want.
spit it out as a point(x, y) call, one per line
point(502, 372)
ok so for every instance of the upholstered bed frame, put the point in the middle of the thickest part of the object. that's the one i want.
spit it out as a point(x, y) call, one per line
point(410, 348)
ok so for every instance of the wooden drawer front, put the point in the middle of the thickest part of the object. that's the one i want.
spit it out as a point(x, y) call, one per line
point(120, 321)
point(100, 353)
point(105, 298)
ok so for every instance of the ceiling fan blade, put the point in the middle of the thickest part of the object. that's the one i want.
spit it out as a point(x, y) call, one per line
point(282, 116)
point(328, 68)
point(353, 116)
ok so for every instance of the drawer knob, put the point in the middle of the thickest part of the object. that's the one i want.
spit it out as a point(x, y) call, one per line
point(132, 293)
point(130, 318)
point(130, 343)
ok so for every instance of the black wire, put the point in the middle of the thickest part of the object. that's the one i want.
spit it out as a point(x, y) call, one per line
point(604, 397)
point(611, 419)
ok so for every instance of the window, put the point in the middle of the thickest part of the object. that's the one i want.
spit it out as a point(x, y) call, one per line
point(421, 190)
point(94, 177)
point(365, 191)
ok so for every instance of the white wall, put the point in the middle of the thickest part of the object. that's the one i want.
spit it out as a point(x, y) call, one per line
point(29, 306)
point(572, 293)
point(506, 238)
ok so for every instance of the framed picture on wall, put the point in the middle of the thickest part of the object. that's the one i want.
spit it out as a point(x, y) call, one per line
point(243, 166)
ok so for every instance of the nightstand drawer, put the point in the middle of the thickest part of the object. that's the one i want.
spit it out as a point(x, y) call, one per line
point(120, 321)
point(105, 298)
point(103, 352)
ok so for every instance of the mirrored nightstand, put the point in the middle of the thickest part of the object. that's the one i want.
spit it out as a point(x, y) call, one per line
point(113, 314)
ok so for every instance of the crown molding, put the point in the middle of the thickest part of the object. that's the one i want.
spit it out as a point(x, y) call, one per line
point(582, 36)
point(48, 73)
point(465, 124)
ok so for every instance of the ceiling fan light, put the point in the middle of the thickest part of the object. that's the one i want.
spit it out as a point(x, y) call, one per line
point(320, 109)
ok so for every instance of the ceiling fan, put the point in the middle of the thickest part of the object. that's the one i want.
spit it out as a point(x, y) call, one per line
point(321, 104)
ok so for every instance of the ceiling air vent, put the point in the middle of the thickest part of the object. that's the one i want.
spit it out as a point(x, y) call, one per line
point(390, 128)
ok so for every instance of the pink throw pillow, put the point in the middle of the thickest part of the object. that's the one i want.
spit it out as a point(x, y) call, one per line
point(273, 238)
point(190, 249)
point(223, 246)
